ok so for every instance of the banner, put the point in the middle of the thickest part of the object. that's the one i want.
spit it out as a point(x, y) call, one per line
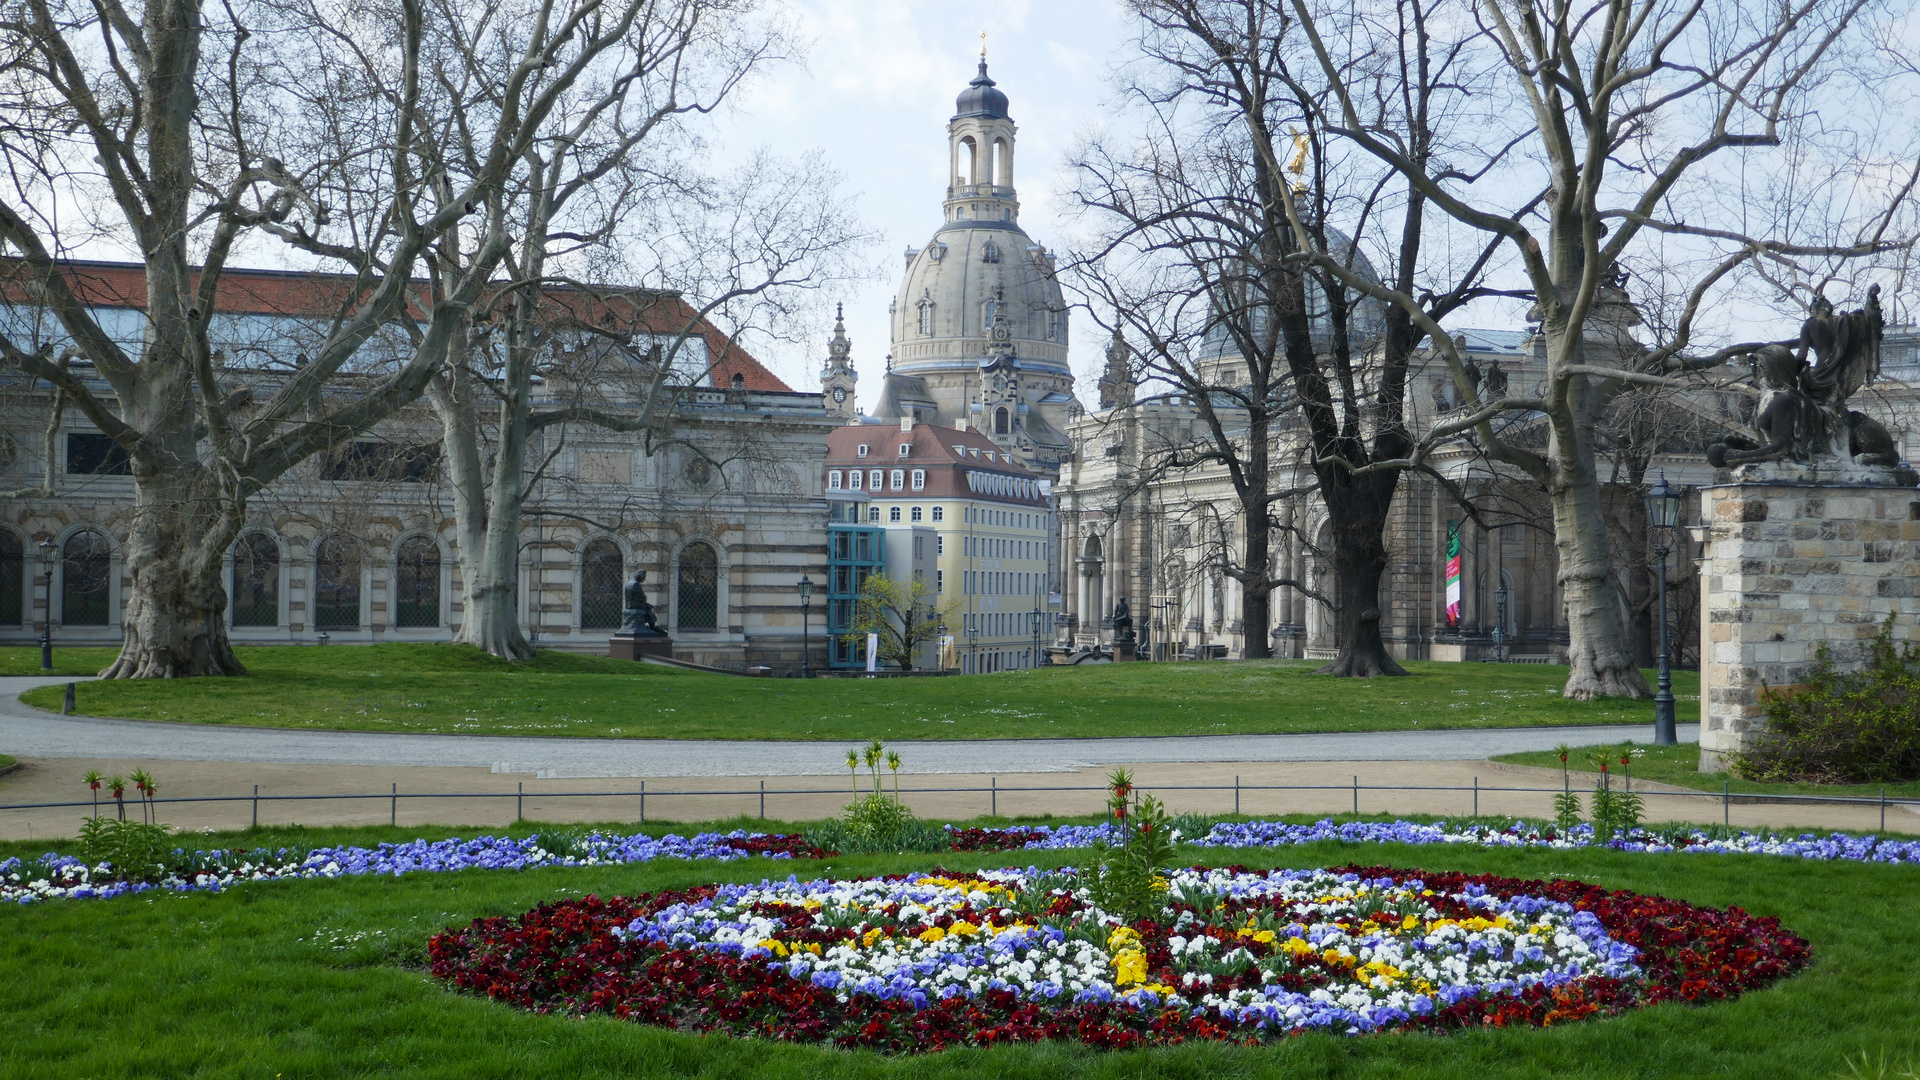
point(873, 652)
point(1453, 572)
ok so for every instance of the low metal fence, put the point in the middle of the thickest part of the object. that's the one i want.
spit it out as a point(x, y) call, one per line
point(992, 791)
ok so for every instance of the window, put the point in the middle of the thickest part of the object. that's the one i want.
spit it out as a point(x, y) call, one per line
point(959, 451)
point(1000, 421)
point(698, 607)
point(854, 479)
point(863, 551)
point(336, 585)
point(863, 449)
point(873, 480)
point(939, 581)
point(256, 581)
point(603, 575)
point(914, 515)
point(939, 513)
point(905, 449)
point(13, 567)
point(96, 455)
point(84, 577)
point(919, 479)
point(842, 546)
point(382, 461)
point(416, 581)
point(833, 480)
point(893, 513)
point(899, 479)
point(926, 316)
point(873, 513)
point(990, 252)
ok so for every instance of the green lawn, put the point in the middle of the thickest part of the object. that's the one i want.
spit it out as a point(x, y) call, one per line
point(5, 762)
point(319, 979)
point(1678, 765)
point(25, 660)
point(447, 688)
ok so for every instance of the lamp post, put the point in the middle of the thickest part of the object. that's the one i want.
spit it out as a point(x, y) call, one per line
point(806, 627)
point(1500, 624)
point(49, 557)
point(1663, 512)
point(1035, 627)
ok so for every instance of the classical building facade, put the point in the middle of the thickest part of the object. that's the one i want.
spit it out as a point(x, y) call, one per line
point(359, 545)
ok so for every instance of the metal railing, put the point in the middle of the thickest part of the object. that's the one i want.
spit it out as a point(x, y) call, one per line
point(393, 796)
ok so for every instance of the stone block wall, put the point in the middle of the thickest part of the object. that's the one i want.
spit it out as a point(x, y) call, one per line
point(1790, 567)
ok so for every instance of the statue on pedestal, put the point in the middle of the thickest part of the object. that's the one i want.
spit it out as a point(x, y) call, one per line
point(637, 619)
point(1802, 416)
point(1122, 623)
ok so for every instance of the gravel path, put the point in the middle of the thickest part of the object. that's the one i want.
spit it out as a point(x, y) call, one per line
point(29, 732)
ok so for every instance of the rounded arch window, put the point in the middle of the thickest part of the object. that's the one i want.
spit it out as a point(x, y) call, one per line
point(603, 575)
point(13, 580)
point(416, 579)
point(336, 584)
point(1000, 421)
point(85, 567)
point(256, 581)
point(697, 601)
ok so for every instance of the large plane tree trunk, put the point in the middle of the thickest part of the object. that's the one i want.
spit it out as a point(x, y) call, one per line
point(175, 607)
point(1357, 510)
point(486, 509)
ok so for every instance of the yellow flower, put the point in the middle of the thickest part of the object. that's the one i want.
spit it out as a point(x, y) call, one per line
point(1385, 974)
point(1410, 922)
point(867, 939)
point(1297, 947)
point(813, 947)
point(1263, 936)
point(1129, 966)
point(932, 934)
point(778, 948)
point(1122, 937)
point(963, 929)
point(1336, 957)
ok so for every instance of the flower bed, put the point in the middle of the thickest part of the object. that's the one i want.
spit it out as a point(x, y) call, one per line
point(921, 963)
point(56, 876)
point(65, 877)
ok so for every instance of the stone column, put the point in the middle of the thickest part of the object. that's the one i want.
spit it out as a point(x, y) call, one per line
point(1790, 567)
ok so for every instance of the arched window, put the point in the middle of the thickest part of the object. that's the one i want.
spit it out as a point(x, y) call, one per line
point(1000, 421)
point(416, 580)
point(13, 568)
point(926, 315)
point(698, 604)
point(83, 580)
point(602, 578)
point(336, 585)
point(256, 581)
point(990, 252)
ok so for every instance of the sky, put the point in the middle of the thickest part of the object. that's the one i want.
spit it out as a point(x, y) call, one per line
point(872, 103)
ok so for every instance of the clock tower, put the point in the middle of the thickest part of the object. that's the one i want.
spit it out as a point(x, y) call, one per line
point(838, 377)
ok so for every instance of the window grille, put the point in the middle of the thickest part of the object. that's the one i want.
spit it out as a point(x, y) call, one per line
point(416, 580)
point(603, 575)
point(256, 581)
point(84, 579)
point(336, 600)
point(699, 601)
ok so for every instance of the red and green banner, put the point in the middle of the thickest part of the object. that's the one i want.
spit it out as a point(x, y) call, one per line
point(1453, 573)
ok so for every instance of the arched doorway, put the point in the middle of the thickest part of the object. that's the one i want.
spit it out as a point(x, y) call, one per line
point(697, 596)
point(336, 584)
point(416, 580)
point(256, 581)
point(85, 576)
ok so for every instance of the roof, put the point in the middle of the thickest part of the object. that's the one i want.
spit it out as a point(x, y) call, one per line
point(301, 294)
point(949, 455)
point(980, 98)
point(1504, 342)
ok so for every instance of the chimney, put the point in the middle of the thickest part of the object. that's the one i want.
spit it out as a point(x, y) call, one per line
point(906, 423)
point(960, 424)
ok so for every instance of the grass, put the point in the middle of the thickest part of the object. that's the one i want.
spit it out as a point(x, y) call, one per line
point(448, 688)
point(85, 661)
point(1679, 766)
point(322, 979)
point(6, 762)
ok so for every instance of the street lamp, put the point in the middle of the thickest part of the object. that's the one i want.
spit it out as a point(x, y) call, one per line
point(49, 557)
point(1500, 624)
point(806, 627)
point(1035, 627)
point(1663, 512)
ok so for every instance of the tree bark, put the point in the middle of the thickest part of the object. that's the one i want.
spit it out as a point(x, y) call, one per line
point(1599, 660)
point(1357, 510)
point(174, 619)
point(487, 511)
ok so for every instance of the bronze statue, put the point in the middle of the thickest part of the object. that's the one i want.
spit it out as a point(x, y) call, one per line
point(638, 620)
point(1802, 415)
point(1122, 622)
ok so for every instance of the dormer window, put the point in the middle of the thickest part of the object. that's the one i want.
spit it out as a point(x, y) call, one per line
point(959, 451)
point(990, 252)
point(863, 449)
point(853, 479)
point(905, 449)
point(926, 316)
point(833, 480)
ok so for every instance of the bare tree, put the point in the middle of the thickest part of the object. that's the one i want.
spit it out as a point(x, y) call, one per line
point(1711, 127)
point(174, 126)
point(1204, 264)
point(904, 615)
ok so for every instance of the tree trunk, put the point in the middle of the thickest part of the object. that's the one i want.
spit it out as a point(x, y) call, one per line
point(1358, 515)
point(174, 620)
point(488, 531)
point(1599, 657)
point(1256, 595)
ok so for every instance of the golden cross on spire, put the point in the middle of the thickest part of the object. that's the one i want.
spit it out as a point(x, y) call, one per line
point(983, 44)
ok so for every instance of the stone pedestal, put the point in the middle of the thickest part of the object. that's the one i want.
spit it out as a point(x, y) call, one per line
point(1791, 565)
point(1125, 652)
point(630, 647)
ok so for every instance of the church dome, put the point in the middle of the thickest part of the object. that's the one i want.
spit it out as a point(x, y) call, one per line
point(1366, 318)
point(981, 98)
point(969, 274)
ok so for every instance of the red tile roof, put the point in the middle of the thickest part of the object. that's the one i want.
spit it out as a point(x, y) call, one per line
point(947, 454)
point(303, 294)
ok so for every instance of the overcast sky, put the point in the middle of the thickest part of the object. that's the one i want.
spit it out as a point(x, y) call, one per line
point(873, 102)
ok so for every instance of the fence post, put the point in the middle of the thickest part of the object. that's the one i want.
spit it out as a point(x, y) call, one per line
point(993, 806)
point(1236, 794)
point(1883, 808)
point(393, 809)
point(763, 800)
point(1356, 795)
point(256, 806)
point(643, 802)
point(1726, 803)
point(1476, 796)
point(520, 802)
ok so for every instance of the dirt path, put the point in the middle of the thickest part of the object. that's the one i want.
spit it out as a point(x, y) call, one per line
point(1309, 787)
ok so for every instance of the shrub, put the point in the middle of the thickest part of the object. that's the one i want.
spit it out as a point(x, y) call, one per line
point(877, 822)
point(1131, 879)
point(1844, 727)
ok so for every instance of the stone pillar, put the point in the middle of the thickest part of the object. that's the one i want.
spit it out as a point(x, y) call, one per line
point(1789, 567)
